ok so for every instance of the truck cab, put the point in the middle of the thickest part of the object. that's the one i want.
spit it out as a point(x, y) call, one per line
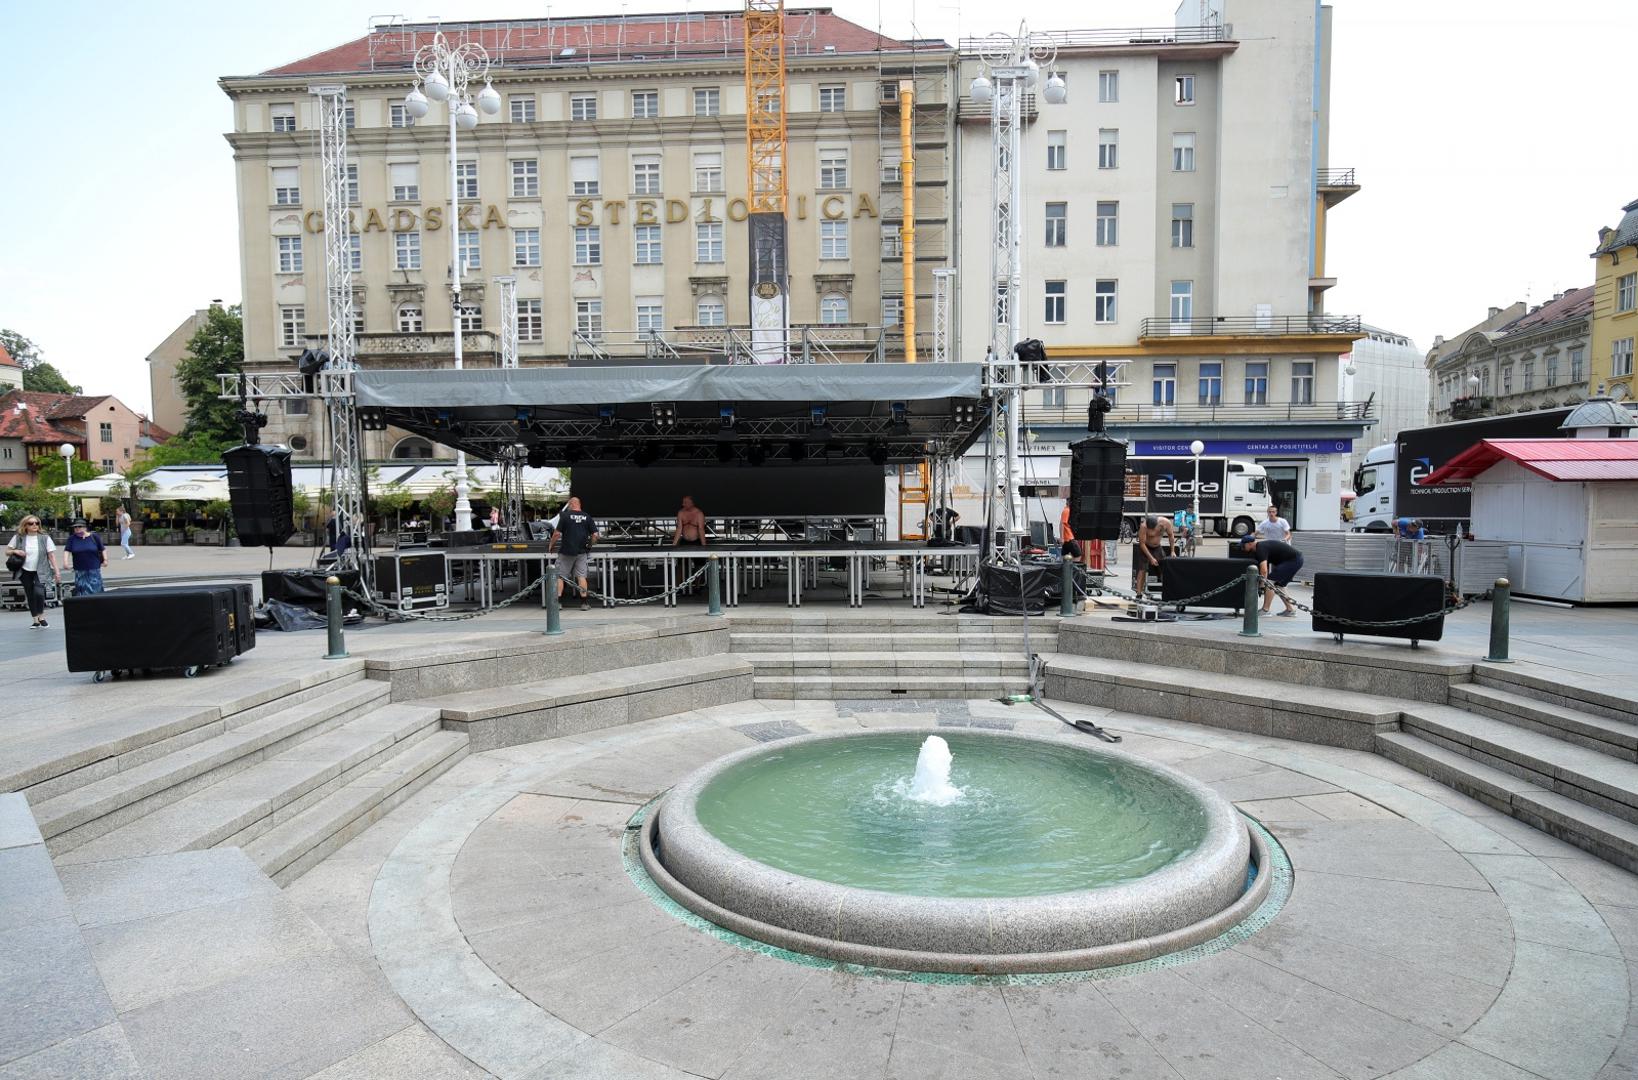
point(1374, 484)
point(1248, 498)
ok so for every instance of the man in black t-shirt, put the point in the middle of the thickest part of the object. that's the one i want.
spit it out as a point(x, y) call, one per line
point(1277, 561)
point(576, 532)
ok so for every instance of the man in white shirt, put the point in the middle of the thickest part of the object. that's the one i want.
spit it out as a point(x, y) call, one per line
point(1275, 528)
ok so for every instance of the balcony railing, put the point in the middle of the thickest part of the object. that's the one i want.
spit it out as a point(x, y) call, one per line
point(1248, 325)
point(1190, 413)
point(1132, 35)
point(1337, 178)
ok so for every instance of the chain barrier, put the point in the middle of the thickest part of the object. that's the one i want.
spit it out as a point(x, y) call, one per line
point(375, 607)
point(622, 601)
point(1237, 583)
point(1380, 624)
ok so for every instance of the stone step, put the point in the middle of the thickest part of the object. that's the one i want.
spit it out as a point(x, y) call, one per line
point(1614, 737)
point(83, 813)
point(290, 849)
point(1545, 761)
point(1043, 640)
point(887, 663)
point(508, 715)
point(1313, 714)
point(1597, 696)
point(1609, 837)
point(853, 687)
point(249, 803)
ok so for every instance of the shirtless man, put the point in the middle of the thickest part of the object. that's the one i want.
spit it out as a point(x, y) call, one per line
point(690, 525)
point(1152, 537)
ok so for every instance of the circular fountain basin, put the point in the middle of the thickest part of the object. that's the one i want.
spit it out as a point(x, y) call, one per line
point(1058, 854)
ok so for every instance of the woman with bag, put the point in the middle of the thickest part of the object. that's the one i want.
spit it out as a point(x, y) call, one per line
point(30, 552)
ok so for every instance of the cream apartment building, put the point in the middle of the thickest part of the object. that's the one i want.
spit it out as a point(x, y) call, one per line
point(612, 185)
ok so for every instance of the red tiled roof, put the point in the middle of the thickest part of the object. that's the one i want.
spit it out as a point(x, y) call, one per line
point(74, 406)
point(1556, 459)
point(514, 43)
point(5, 358)
point(40, 422)
point(1575, 303)
point(154, 431)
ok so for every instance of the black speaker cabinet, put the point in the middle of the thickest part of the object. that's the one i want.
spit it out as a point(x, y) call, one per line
point(239, 595)
point(137, 629)
point(304, 588)
point(259, 486)
point(1097, 487)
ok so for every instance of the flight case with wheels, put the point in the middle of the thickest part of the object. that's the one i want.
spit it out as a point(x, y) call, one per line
point(132, 630)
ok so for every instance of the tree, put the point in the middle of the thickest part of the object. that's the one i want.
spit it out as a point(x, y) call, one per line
point(392, 499)
point(185, 449)
point(22, 350)
point(216, 348)
point(37, 374)
point(51, 473)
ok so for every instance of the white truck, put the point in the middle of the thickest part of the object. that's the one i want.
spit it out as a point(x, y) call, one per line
point(1234, 495)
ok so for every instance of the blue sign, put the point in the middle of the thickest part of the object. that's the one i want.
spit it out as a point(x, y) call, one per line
point(1180, 448)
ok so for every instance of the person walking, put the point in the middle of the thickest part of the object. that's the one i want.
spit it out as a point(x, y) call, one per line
point(1274, 527)
point(89, 557)
point(30, 552)
point(124, 525)
point(1279, 562)
point(574, 535)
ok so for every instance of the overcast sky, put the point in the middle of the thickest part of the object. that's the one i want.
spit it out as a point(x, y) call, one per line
point(1492, 141)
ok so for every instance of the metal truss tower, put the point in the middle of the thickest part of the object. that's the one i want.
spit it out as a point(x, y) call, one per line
point(943, 282)
point(347, 484)
point(511, 462)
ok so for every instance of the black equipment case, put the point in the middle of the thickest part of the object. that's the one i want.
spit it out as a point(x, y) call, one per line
point(304, 588)
point(145, 629)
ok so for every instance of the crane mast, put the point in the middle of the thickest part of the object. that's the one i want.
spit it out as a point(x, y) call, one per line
point(766, 186)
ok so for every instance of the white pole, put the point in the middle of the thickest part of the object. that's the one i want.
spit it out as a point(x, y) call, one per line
point(463, 504)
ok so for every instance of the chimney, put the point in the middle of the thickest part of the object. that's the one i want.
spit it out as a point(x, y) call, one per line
point(1604, 235)
point(1494, 312)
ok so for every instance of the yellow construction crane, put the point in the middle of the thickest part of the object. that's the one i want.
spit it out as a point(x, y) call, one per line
point(766, 183)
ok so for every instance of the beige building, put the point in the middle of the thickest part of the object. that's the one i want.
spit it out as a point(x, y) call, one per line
point(611, 184)
point(170, 409)
point(1519, 359)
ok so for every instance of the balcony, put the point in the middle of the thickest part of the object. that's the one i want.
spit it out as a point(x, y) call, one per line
point(1335, 185)
point(1132, 35)
point(1250, 326)
point(1471, 408)
point(1316, 412)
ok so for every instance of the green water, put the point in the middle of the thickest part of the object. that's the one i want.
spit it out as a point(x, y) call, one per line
point(1033, 819)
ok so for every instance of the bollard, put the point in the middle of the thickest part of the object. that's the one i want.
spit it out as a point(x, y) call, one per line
point(1501, 600)
point(1252, 602)
point(1066, 586)
point(333, 617)
point(554, 609)
point(713, 586)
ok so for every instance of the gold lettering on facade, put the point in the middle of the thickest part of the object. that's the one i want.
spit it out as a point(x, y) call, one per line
point(494, 217)
point(403, 220)
point(705, 212)
point(830, 214)
point(434, 218)
point(613, 207)
point(737, 210)
point(465, 220)
point(583, 213)
point(373, 221)
point(675, 210)
point(308, 221)
point(647, 212)
point(864, 207)
point(801, 208)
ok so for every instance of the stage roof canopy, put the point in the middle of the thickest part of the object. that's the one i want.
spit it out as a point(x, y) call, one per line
point(883, 413)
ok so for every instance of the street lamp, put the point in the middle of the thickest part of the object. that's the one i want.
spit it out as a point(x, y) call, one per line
point(1196, 448)
point(446, 72)
point(67, 451)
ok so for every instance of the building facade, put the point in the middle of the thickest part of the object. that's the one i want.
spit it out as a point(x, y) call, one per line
point(1174, 226)
point(1389, 372)
point(170, 410)
point(612, 185)
point(1518, 359)
point(35, 425)
point(1615, 305)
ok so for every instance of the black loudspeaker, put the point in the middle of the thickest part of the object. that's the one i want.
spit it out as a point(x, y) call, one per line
point(1097, 487)
point(259, 486)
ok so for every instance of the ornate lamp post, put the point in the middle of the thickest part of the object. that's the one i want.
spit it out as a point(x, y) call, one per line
point(446, 70)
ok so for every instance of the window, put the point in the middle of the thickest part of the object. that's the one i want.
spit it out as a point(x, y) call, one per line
point(649, 249)
point(292, 326)
point(105, 431)
point(708, 172)
point(1626, 292)
point(466, 179)
point(525, 247)
point(470, 250)
point(709, 311)
point(530, 327)
point(645, 104)
point(767, 101)
point(1057, 150)
point(650, 315)
point(892, 241)
point(399, 117)
point(1578, 365)
point(355, 252)
point(1257, 382)
point(409, 318)
point(833, 98)
point(1165, 384)
point(1621, 358)
point(406, 247)
point(1507, 378)
point(348, 118)
point(286, 186)
point(1108, 148)
point(832, 309)
point(107, 464)
point(296, 407)
point(1183, 151)
point(1057, 224)
point(523, 108)
point(1057, 298)
point(1103, 302)
point(582, 106)
point(1552, 368)
point(707, 101)
point(588, 245)
point(1108, 87)
point(1108, 224)
point(645, 175)
point(708, 242)
point(585, 176)
point(525, 178)
point(1182, 225)
point(833, 168)
point(289, 254)
point(1211, 382)
point(358, 319)
point(412, 447)
point(1183, 90)
point(1529, 375)
point(1302, 382)
point(471, 317)
point(892, 312)
point(833, 239)
point(588, 319)
point(1054, 397)
point(284, 117)
point(1182, 301)
point(405, 179)
point(352, 184)
point(1484, 383)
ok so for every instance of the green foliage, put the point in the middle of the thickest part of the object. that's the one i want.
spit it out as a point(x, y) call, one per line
point(216, 348)
point(22, 350)
point(220, 510)
point(440, 503)
point(51, 473)
point(47, 379)
point(301, 505)
point(391, 499)
point(197, 449)
point(41, 501)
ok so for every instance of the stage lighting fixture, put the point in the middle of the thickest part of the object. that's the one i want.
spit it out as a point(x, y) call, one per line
point(878, 452)
point(524, 416)
point(605, 415)
point(725, 417)
point(372, 419)
point(1030, 351)
point(817, 416)
point(901, 418)
point(536, 458)
point(665, 415)
point(756, 453)
point(442, 418)
point(312, 362)
point(966, 412)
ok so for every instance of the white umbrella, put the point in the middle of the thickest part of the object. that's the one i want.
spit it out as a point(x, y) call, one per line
point(96, 487)
point(192, 489)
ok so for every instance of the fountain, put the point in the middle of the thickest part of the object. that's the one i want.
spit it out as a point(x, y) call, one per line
point(1001, 853)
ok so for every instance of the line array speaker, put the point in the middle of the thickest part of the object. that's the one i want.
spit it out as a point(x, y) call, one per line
point(259, 486)
point(1097, 487)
